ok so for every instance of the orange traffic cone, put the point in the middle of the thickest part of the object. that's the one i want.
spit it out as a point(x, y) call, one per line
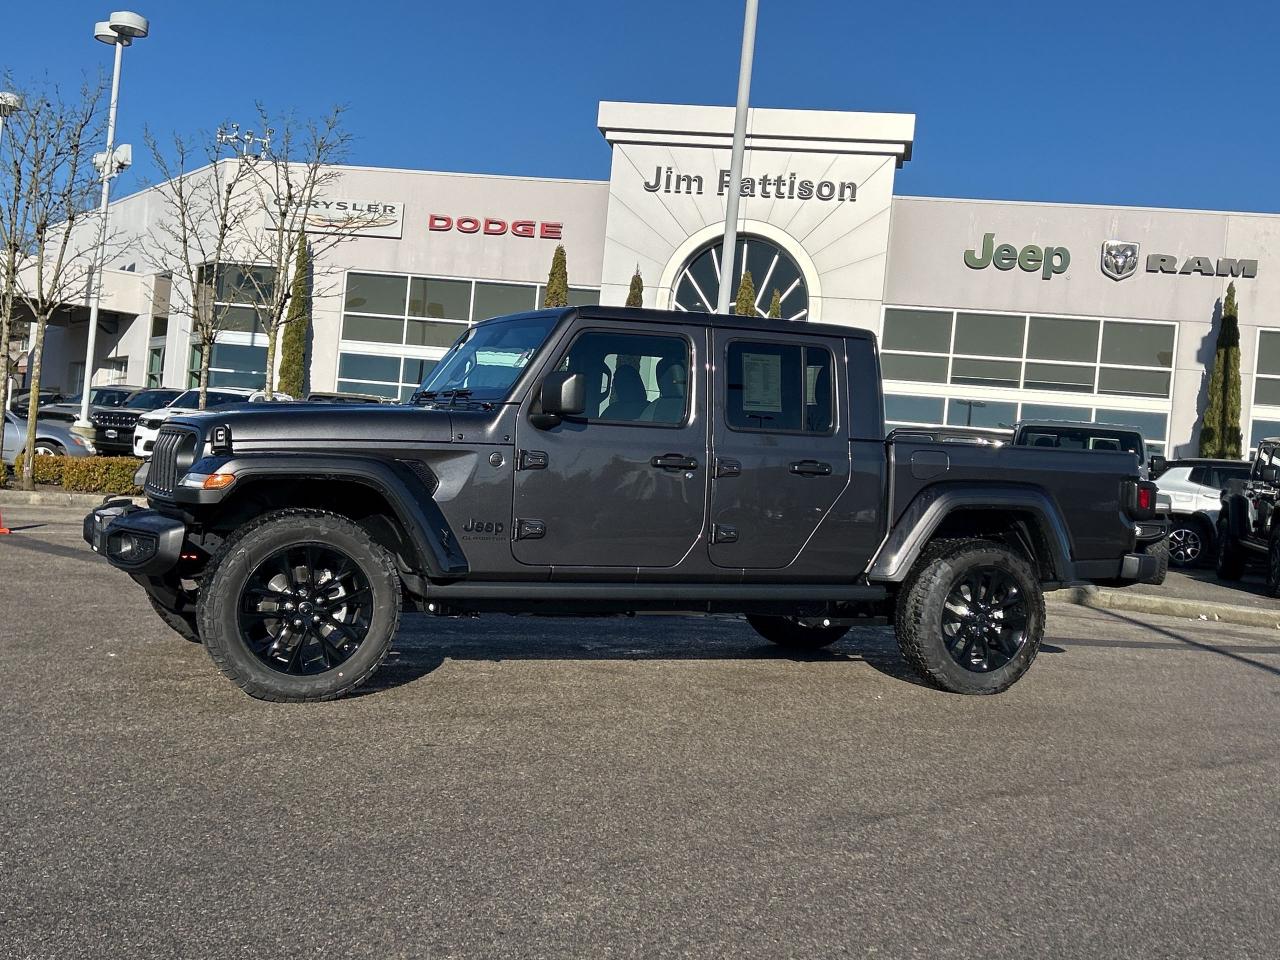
point(3, 528)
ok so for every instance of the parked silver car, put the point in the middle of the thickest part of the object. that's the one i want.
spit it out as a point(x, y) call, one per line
point(53, 438)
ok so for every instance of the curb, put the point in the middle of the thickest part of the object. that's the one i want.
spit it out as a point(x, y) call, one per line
point(41, 498)
point(1105, 598)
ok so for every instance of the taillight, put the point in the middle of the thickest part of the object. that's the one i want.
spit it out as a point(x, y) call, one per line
point(1142, 500)
point(1146, 498)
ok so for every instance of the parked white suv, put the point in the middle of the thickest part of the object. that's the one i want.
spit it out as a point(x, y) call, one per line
point(144, 434)
point(1195, 490)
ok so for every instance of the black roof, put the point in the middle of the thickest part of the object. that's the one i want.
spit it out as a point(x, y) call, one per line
point(761, 324)
point(1206, 462)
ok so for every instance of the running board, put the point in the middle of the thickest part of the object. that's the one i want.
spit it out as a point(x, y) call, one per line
point(684, 592)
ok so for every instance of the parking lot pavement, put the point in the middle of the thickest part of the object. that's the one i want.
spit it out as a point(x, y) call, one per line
point(648, 787)
point(1202, 583)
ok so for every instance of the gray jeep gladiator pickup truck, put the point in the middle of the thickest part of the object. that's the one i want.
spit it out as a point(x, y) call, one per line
point(604, 461)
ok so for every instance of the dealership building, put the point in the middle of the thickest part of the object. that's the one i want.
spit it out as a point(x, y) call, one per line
point(987, 311)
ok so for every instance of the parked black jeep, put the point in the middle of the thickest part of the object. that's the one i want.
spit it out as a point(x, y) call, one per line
point(597, 460)
point(1248, 531)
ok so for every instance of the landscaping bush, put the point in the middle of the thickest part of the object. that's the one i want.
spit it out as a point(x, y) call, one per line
point(99, 474)
point(47, 470)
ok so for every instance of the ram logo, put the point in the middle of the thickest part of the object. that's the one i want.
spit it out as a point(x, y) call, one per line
point(1119, 258)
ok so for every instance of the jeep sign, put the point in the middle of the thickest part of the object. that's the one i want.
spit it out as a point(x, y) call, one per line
point(1047, 260)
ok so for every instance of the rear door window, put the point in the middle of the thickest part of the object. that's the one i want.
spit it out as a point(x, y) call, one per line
point(779, 388)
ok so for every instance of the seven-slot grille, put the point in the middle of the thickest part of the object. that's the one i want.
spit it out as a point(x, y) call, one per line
point(116, 419)
point(162, 476)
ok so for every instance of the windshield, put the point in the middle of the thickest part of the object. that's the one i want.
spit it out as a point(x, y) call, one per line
point(486, 360)
point(191, 399)
point(150, 399)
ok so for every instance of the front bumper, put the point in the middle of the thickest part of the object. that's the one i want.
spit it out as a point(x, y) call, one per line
point(134, 539)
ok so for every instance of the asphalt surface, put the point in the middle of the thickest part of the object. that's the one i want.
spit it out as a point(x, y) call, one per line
point(1202, 583)
point(652, 787)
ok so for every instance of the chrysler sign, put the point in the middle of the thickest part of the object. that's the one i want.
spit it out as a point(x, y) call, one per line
point(359, 218)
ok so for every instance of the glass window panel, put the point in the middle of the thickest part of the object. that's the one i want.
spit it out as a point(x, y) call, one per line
point(989, 334)
point(235, 378)
point(159, 326)
point(1140, 344)
point(1263, 430)
point(1142, 383)
point(615, 367)
point(1058, 338)
point(981, 413)
point(373, 293)
point(377, 389)
point(1059, 376)
point(373, 329)
point(913, 409)
point(415, 370)
point(1052, 411)
point(428, 333)
point(1266, 391)
point(764, 387)
point(234, 356)
point(240, 320)
point(244, 284)
point(923, 331)
point(497, 299)
point(582, 297)
point(1152, 426)
point(363, 366)
point(439, 299)
point(898, 366)
point(1269, 352)
point(989, 373)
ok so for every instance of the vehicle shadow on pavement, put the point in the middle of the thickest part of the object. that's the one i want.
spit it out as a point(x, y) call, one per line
point(1230, 653)
point(425, 643)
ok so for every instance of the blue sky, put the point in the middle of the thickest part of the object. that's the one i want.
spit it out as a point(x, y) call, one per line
point(1168, 104)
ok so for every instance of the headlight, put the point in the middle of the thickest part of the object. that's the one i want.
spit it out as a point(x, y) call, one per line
point(80, 441)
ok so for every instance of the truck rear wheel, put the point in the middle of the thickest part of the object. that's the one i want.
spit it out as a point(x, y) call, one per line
point(970, 617)
point(1159, 550)
point(1230, 565)
point(299, 606)
point(797, 633)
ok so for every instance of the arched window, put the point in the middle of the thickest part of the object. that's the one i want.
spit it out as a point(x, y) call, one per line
point(697, 284)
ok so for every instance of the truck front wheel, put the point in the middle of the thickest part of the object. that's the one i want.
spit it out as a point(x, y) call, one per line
point(299, 605)
point(970, 616)
point(797, 633)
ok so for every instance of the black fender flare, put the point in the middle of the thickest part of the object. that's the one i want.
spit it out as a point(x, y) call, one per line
point(419, 515)
point(1235, 510)
point(922, 517)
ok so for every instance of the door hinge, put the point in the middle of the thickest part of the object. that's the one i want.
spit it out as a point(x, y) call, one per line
point(723, 533)
point(728, 468)
point(531, 460)
point(530, 529)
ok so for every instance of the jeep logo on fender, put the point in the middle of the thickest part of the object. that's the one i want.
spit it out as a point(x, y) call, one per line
point(1047, 260)
point(492, 527)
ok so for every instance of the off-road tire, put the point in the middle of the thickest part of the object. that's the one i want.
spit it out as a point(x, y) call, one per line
point(235, 561)
point(1159, 550)
point(918, 616)
point(1230, 561)
point(183, 624)
point(794, 634)
point(1273, 565)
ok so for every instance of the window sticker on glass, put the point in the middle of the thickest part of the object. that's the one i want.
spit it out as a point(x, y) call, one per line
point(761, 383)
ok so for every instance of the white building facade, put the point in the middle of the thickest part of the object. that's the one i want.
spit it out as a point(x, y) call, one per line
point(987, 311)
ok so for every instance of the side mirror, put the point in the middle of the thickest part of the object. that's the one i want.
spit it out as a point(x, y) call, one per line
point(1157, 465)
point(562, 395)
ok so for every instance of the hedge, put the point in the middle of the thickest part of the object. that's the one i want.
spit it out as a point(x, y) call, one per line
point(85, 474)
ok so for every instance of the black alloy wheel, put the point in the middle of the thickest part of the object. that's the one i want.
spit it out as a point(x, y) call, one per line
point(1186, 546)
point(305, 609)
point(984, 619)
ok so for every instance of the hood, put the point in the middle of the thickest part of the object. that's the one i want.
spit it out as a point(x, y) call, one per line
point(269, 426)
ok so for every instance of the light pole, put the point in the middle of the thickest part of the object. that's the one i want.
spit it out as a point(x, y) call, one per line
point(735, 157)
point(969, 405)
point(120, 30)
point(10, 103)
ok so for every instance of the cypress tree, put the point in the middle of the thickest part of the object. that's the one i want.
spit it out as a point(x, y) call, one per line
point(775, 305)
point(293, 343)
point(635, 296)
point(1220, 429)
point(746, 303)
point(557, 294)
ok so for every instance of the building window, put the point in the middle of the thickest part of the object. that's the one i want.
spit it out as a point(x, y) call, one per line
point(423, 317)
point(1016, 351)
point(231, 365)
point(155, 367)
point(697, 286)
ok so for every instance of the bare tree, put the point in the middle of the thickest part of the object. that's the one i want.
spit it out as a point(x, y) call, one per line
point(297, 169)
point(13, 243)
point(199, 235)
point(53, 143)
